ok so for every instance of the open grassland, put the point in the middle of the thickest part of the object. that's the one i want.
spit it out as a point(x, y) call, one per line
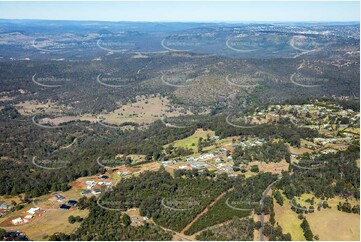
point(273, 167)
point(191, 142)
point(54, 221)
point(143, 111)
point(302, 150)
point(332, 202)
point(325, 223)
point(29, 108)
point(288, 220)
point(49, 220)
point(331, 224)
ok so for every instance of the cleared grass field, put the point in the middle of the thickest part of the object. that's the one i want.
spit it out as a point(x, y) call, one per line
point(288, 220)
point(54, 221)
point(302, 150)
point(331, 224)
point(193, 139)
point(328, 224)
point(143, 111)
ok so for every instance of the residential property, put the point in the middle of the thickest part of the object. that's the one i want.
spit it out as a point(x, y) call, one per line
point(32, 211)
point(72, 203)
point(29, 216)
point(64, 207)
point(96, 192)
point(85, 192)
point(198, 165)
point(190, 158)
point(90, 184)
point(185, 168)
point(219, 160)
point(124, 173)
point(59, 198)
point(19, 220)
point(4, 206)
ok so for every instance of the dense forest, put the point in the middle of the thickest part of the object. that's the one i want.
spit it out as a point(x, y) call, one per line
point(339, 177)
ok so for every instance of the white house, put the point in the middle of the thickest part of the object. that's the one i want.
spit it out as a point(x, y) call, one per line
point(32, 211)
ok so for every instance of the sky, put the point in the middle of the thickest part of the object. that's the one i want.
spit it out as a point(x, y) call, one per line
point(165, 11)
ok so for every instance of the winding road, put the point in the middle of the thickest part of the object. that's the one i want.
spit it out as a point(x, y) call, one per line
point(264, 195)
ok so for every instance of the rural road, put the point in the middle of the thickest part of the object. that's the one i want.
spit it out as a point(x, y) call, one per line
point(264, 195)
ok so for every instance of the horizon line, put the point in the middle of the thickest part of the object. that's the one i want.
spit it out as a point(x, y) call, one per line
point(185, 21)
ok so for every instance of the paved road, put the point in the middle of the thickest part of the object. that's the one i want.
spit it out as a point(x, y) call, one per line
point(261, 217)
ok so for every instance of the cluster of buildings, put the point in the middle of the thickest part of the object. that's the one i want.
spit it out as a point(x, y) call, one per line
point(26, 219)
point(68, 205)
point(4, 208)
point(90, 189)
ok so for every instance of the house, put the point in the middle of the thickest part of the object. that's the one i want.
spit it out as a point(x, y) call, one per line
point(228, 168)
point(90, 184)
point(64, 207)
point(190, 158)
point(32, 211)
point(198, 165)
point(184, 168)
point(96, 191)
point(72, 203)
point(219, 160)
point(136, 220)
point(216, 137)
point(124, 173)
point(166, 162)
point(3, 206)
point(19, 220)
point(223, 150)
point(105, 183)
point(85, 192)
point(328, 151)
point(59, 198)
